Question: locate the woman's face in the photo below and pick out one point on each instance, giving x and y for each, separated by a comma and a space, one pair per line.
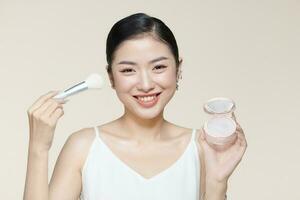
144, 76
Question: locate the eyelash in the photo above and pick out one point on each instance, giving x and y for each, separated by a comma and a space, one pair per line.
126, 70
162, 66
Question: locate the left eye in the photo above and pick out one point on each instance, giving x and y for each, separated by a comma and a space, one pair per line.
159, 67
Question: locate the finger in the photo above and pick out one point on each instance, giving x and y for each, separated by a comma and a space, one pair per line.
49, 111
203, 141
61, 101
44, 108
242, 148
202, 134
239, 128
56, 115
242, 138
40, 111
233, 116
42, 100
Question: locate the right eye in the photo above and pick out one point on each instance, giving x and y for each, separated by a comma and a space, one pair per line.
127, 70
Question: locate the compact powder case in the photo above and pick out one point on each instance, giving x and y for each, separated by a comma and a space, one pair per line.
220, 128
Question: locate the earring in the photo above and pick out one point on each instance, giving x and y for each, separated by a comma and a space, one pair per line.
180, 77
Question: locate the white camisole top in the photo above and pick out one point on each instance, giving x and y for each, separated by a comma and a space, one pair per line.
106, 177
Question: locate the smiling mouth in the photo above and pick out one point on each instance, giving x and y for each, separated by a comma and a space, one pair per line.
144, 97
147, 100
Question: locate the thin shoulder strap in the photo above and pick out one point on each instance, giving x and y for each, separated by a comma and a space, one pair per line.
96, 131
193, 134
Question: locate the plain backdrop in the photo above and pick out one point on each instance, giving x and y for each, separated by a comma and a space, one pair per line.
246, 50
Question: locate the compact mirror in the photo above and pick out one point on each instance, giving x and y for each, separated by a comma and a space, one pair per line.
219, 105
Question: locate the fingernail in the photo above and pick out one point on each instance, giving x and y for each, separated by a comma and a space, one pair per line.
60, 100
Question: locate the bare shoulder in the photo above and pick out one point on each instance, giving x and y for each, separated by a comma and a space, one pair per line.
198, 132
65, 182
81, 137
79, 143
184, 130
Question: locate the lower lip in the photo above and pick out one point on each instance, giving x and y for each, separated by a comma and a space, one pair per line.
148, 104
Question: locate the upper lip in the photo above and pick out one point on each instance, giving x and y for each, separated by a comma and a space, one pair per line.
146, 95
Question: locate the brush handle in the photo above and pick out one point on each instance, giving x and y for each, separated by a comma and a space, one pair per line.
72, 90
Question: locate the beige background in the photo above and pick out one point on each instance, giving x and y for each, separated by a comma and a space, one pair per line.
246, 50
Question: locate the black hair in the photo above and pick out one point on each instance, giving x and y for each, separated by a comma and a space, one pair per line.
135, 25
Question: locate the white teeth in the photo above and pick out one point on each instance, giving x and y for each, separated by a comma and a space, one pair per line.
146, 99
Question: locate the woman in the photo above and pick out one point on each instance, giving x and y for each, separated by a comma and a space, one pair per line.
140, 155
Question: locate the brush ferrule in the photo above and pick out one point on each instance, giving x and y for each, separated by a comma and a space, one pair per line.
72, 90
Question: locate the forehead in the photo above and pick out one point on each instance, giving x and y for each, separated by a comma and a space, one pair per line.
142, 49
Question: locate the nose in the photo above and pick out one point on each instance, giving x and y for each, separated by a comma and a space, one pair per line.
146, 83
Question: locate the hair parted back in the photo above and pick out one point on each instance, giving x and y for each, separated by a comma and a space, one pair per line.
134, 26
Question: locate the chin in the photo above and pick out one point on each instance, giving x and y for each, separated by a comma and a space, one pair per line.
148, 115
144, 113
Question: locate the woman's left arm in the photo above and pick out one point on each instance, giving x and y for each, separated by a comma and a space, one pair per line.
219, 165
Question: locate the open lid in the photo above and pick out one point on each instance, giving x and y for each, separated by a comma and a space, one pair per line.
219, 105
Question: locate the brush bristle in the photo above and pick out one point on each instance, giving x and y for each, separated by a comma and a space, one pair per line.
94, 81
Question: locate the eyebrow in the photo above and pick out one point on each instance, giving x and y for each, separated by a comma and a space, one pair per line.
152, 61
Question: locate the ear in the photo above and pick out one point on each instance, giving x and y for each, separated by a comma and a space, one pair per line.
111, 78
179, 72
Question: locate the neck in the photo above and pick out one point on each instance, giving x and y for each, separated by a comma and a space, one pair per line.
143, 130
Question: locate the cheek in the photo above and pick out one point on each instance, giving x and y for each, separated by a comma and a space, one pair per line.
167, 79
124, 83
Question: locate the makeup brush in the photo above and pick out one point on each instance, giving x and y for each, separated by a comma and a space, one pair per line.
93, 81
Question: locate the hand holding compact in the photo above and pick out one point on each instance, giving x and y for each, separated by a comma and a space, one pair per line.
222, 140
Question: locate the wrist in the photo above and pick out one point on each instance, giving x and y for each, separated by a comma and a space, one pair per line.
215, 190
37, 149
215, 197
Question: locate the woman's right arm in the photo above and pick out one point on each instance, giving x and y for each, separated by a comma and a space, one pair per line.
66, 180
36, 185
